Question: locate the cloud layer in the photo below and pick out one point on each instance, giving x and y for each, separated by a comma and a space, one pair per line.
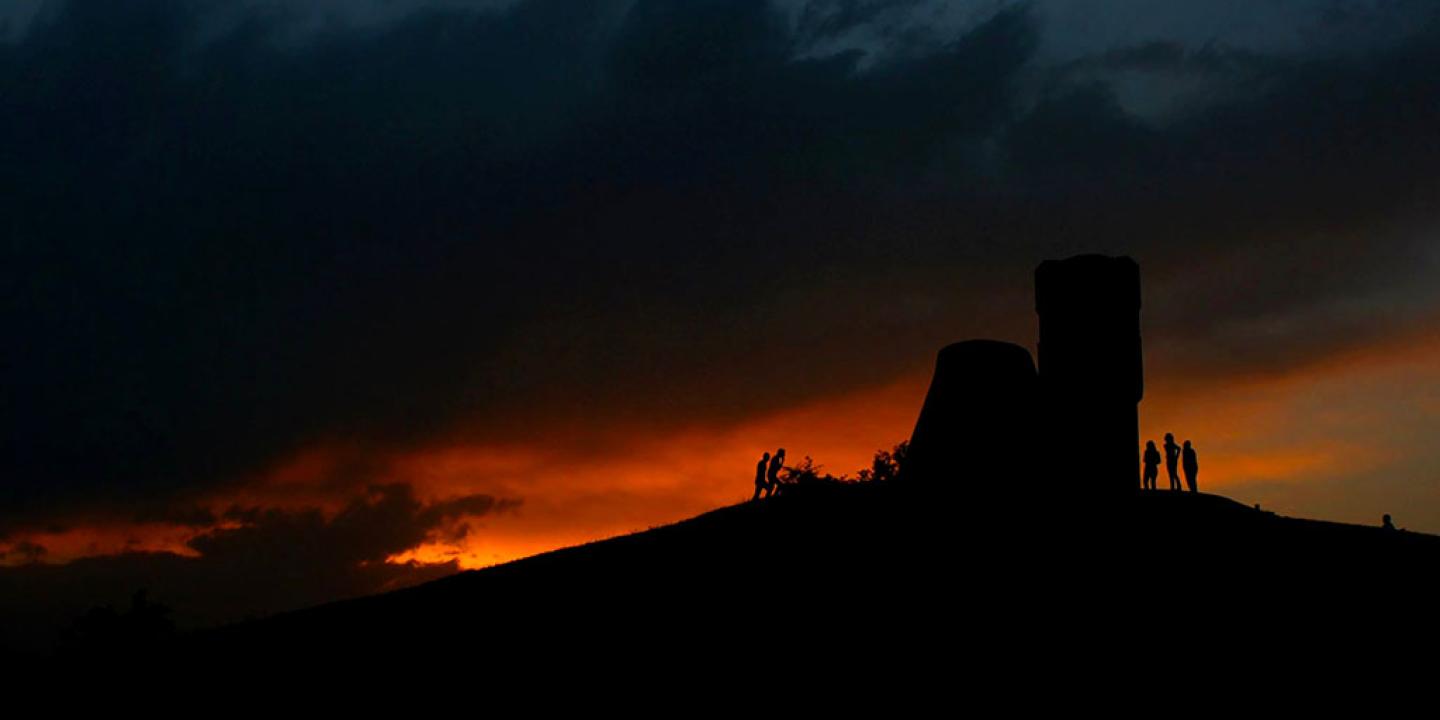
257, 561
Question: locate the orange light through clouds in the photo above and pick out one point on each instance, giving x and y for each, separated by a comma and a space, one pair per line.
1345, 440
662, 480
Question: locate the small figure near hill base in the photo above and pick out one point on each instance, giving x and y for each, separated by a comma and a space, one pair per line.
1172, 459
772, 475
1192, 468
761, 486
1152, 465
1387, 524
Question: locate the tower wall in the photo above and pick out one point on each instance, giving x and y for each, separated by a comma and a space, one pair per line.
1091, 377
978, 415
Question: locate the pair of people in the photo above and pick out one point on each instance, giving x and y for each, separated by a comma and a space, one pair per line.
1174, 454
767, 474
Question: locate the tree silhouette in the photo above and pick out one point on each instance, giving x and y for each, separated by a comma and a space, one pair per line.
886, 464
806, 473
140, 632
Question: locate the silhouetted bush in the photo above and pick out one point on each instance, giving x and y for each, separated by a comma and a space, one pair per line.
808, 478
806, 472
142, 631
886, 465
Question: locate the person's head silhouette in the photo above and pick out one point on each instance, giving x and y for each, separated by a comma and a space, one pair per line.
766, 456
1150, 444
780, 453
1169, 439
1187, 444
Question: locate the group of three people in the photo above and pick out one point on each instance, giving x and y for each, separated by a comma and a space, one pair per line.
767, 474
1174, 454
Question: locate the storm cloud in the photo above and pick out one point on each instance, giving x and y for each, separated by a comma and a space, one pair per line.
260, 561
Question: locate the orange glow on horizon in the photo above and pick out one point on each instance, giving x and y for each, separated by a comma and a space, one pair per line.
1322, 422
568, 501
62, 546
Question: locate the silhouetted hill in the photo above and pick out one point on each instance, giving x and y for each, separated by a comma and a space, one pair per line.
867, 575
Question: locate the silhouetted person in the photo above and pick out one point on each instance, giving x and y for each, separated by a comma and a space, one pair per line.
1192, 467
1152, 465
1386, 523
1172, 460
760, 484
772, 475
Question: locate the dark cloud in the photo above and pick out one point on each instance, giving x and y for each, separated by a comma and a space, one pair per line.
262, 561
644, 213
177, 514
26, 551
308, 547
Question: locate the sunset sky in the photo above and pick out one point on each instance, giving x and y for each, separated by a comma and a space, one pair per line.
306, 299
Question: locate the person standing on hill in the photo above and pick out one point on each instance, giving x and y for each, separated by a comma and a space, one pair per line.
1152, 465
773, 474
1172, 459
760, 484
1192, 467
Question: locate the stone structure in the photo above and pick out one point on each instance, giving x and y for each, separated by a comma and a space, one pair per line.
977, 416
1091, 375
991, 424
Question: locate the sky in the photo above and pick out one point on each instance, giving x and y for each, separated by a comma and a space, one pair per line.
312, 299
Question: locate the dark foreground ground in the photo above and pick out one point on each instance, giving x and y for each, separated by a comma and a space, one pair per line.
872, 576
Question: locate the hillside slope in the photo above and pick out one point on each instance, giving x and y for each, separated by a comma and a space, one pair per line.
846, 574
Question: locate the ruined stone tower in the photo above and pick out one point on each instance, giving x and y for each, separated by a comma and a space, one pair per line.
994, 430
977, 417
1091, 378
